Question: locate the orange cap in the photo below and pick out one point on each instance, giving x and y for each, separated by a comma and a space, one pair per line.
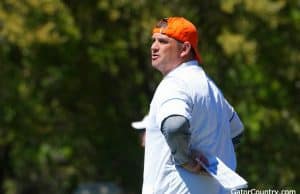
182, 30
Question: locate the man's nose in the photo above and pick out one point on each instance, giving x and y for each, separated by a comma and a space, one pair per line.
154, 46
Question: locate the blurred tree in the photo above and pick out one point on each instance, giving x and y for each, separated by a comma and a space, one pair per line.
74, 74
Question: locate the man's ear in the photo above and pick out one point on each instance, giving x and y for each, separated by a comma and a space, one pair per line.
185, 49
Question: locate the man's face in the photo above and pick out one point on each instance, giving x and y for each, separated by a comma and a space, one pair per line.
165, 53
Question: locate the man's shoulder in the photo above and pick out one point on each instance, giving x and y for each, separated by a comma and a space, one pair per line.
174, 82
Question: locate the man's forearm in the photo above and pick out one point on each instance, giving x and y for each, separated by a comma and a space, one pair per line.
175, 128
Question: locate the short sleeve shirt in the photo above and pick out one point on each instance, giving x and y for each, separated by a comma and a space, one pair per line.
186, 91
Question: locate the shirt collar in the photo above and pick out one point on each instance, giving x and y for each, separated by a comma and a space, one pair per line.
183, 65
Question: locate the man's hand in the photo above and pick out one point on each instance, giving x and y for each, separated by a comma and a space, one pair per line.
194, 165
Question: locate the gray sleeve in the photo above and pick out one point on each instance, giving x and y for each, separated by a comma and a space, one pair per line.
236, 127
237, 139
175, 128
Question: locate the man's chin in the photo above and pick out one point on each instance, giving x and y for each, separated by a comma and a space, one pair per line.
154, 64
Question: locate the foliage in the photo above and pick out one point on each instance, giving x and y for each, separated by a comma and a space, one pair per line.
74, 74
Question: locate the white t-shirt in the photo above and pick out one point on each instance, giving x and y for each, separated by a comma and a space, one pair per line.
187, 91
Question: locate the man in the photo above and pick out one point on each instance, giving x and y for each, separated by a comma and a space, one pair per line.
189, 119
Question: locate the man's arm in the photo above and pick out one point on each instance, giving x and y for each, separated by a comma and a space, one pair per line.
236, 127
175, 128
